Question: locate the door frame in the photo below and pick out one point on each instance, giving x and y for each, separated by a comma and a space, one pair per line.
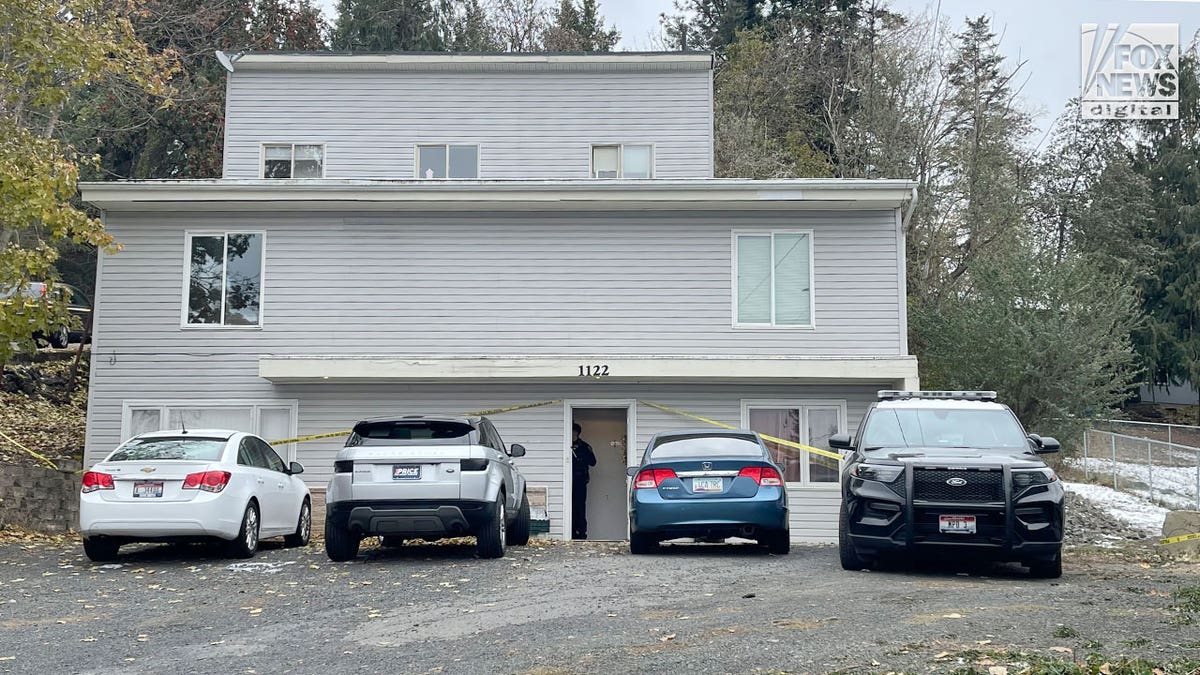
569, 405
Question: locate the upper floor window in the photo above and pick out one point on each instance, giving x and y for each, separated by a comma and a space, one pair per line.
289, 160
773, 279
224, 279
448, 161
622, 161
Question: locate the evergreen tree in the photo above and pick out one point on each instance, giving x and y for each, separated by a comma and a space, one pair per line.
470, 27
389, 26
579, 28
710, 25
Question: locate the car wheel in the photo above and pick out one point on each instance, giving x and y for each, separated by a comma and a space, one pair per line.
60, 338
246, 543
641, 544
490, 541
303, 531
851, 560
519, 535
99, 549
1046, 569
391, 541
779, 543
340, 543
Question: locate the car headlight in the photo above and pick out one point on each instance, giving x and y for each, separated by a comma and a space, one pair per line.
883, 473
1024, 478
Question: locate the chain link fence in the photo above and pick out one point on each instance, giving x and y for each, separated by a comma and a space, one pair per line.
1155, 461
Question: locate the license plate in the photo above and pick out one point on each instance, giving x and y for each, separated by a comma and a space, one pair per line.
406, 472
147, 490
708, 485
957, 524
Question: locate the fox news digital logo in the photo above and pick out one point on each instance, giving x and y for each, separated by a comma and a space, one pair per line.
1130, 73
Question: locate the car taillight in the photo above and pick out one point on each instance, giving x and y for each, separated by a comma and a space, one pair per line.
652, 478
763, 475
94, 480
473, 464
209, 481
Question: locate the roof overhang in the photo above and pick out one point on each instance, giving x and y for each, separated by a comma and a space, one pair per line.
310, 369
604, 62
413, 195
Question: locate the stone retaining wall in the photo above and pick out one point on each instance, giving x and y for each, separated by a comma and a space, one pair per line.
39, 498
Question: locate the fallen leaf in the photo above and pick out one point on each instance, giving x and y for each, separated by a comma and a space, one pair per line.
952, 616
664, 638
997, 670
1062, 650
942, 655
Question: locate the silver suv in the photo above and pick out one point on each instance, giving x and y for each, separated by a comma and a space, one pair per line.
426, 477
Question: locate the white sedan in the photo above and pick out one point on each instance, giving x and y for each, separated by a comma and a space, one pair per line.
193, 484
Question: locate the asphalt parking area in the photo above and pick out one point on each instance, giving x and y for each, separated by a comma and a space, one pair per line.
567, 608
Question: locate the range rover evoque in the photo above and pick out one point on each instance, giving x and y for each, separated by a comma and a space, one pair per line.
942, 471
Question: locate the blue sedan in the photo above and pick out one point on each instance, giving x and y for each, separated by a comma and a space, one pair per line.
708, 485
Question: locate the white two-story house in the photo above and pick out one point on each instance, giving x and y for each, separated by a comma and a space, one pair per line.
407, 234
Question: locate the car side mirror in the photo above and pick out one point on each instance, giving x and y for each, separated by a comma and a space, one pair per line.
295, 468
516, 450
631, 471
1046, 444
841, 442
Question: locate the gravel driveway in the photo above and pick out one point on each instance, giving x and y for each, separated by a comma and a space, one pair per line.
569, 608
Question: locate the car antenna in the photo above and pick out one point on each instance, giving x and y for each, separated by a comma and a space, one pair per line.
183, 425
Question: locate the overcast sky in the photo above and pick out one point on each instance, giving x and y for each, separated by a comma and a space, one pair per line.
1043, 33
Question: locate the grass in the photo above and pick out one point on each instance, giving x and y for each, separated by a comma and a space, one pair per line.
1065, 632
1187, 599
1092, 664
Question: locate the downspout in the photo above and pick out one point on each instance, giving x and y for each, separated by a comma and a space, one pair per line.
912, 206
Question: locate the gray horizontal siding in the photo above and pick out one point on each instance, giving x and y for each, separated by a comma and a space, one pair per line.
470, 284
331, 407
532, 125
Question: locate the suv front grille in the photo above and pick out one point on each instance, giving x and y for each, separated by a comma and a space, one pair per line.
977, 487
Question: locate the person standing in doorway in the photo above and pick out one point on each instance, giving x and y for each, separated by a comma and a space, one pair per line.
582, 459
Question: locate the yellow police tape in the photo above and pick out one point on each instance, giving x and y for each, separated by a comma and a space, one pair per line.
771, 439
477, 413
1183, 537
40, 457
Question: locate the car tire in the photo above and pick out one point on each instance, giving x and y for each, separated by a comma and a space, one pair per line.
851, 560
60, 339
391, 541
641, 544
340, 543
1046, 569
490, 540
245, 545
303, 532
100, 549
519, 534
779, 543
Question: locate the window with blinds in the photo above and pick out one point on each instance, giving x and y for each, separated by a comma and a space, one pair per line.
773, 279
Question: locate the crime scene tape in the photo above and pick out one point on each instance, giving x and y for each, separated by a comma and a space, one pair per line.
1183, 537
477, 413
772, 439
45, 460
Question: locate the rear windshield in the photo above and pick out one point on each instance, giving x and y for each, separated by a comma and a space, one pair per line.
175, 447
681, 447
409, 430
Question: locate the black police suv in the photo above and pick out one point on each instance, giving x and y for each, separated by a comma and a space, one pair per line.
953, 473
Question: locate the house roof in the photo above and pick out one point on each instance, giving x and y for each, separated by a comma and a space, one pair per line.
466, 195
467, 62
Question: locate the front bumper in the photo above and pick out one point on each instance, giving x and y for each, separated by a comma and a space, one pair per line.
410, 518
670, 518
1027, 526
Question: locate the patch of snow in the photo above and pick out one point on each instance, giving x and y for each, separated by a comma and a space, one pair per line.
264, 567
1137, 511
1174, 476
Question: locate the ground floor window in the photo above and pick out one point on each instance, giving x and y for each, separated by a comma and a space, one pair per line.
272, 420
806, 422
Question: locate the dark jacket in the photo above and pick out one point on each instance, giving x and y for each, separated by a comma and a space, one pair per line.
582, 458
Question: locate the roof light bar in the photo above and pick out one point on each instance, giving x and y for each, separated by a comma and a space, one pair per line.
888, 395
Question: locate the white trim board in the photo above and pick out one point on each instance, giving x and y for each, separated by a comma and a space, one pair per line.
897, 369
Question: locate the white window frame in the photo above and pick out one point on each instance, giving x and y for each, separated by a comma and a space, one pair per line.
187, 276
812, 279
262, 160
620, 159
803, 406
417, 159
256, 406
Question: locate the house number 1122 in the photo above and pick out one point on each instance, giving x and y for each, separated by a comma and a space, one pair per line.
593, 371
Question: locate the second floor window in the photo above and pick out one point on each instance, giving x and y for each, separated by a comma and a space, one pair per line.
622, 161
773, 279
224, 279
288, 160
447, 161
